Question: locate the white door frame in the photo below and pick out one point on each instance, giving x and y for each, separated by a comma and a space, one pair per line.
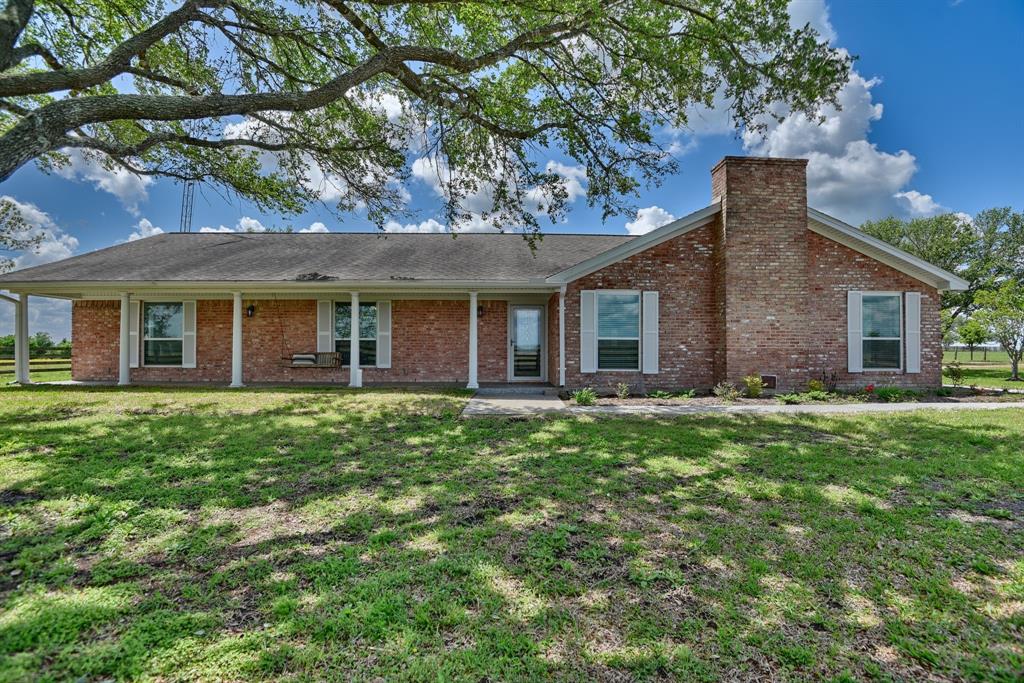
543, 331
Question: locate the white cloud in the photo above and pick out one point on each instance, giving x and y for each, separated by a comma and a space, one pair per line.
247, 224
434, 173
244, 224
129, 188
648, 219
144, 228
920, 204
427, 226
847, 175
815, 13
55, 243
315, 227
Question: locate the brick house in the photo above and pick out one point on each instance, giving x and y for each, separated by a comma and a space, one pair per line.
754, 283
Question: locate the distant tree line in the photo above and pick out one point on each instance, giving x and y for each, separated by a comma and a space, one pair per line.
40, 344
988, 252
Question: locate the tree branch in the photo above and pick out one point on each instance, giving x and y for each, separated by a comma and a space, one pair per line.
115, 63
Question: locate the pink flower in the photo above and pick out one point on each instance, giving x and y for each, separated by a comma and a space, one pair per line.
869, 388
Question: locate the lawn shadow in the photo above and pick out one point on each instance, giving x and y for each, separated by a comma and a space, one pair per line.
338, 534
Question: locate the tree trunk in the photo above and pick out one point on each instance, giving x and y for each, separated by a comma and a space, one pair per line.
971, 348
1014, 368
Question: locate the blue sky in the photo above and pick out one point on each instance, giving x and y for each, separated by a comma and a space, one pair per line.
932, 121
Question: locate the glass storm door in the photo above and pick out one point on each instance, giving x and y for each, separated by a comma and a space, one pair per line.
526, 341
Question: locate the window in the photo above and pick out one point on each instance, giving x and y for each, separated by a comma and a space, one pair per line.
163, 338
367, 333
883, 324
618, 330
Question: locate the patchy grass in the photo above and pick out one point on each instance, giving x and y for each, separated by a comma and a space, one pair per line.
310, 534
995, 377
39, 370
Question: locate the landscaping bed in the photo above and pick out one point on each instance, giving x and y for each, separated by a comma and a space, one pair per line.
946, 395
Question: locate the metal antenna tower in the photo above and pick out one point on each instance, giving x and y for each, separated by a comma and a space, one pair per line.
188, 193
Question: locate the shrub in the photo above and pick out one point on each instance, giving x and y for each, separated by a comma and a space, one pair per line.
726, 391
659, 394
818, 395
585, 396
830, 380
955, 372
755, 386
943, 391
895, 394
869, 389
622, 390
790, 399
686, 393
815, 385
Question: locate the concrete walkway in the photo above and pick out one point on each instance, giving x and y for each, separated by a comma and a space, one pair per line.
537, 405
485, 404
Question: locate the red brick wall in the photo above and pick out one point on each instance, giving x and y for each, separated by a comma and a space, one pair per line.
492, 342
552, 339
764, 212
835, 269
430, 343
680, 270
95, 331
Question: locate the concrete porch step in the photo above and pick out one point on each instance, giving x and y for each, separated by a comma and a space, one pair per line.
513, 390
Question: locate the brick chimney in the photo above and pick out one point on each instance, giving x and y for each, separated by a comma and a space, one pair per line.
761, 269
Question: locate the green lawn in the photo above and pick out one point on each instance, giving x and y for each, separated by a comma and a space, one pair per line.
39, 370
156, 534
992, 373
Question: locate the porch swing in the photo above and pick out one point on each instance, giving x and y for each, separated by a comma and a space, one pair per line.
312, 359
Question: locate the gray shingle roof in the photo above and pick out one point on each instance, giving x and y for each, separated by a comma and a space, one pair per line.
277, 257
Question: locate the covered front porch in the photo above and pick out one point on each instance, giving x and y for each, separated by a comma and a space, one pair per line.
316, 335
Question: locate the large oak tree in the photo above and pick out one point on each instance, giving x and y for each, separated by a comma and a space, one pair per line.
209, 90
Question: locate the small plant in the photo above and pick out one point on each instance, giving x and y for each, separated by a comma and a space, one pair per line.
830, 380
955, 372
755, 386
790, 399
895, 394
815, 385
726, 391
622, 390
659, 394
869, 389
818, 395
585, 396
685, 393
943, 391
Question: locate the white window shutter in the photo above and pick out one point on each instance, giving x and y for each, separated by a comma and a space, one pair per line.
588, 331
134, 315
188, 333
324, 326
383, 334
913, 336
650, 343
854, 333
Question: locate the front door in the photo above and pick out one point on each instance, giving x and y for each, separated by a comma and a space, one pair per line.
526, 343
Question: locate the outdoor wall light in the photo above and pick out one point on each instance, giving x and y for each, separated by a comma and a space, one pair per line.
479, 311
250, 310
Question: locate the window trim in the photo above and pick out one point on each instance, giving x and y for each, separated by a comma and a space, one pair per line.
143, 337
864, 337
639, 326
375, 339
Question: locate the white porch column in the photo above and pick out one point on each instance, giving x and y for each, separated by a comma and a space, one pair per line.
473, 384
124, 348
21, 351
355, 376
561, 336
236, 340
